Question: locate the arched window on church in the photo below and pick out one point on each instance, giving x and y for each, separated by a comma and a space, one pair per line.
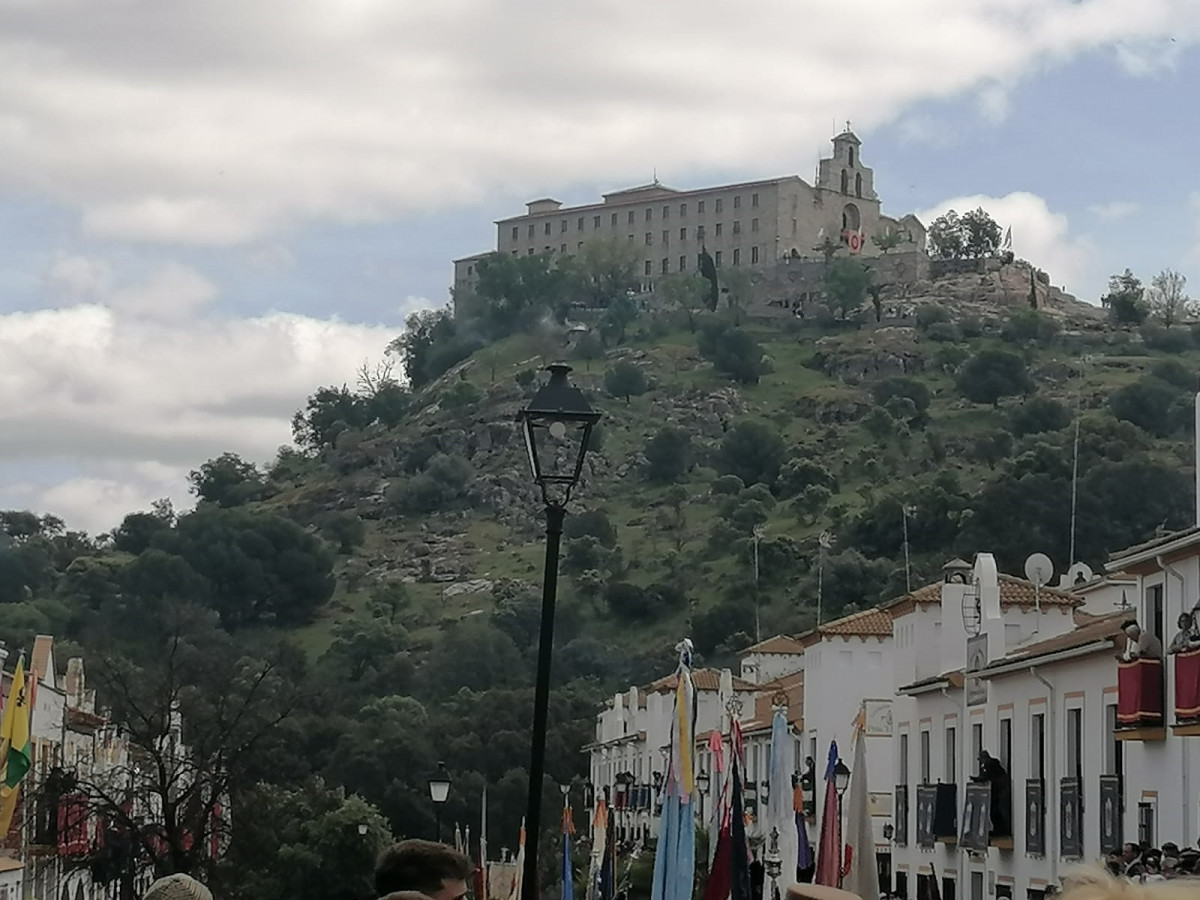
845, 182
858, 184
852, 157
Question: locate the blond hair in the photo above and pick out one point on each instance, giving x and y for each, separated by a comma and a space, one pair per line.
1096, 884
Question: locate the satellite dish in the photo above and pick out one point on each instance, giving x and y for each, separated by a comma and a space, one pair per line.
987, 583
1079, 573
1039, 569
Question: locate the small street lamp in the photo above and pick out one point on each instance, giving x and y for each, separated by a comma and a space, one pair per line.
362, 829
702, 782
841, 781
557, 425
439, 790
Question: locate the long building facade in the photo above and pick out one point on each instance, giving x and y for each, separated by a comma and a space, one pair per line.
1094, 746
753, 224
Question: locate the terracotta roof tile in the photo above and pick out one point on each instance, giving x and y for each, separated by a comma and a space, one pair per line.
780, 643
1088, 630
1013, 592
703, 679
876, 622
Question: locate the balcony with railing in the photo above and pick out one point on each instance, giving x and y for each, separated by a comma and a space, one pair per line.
1140, 700
1070, 818
937, 815
1035, 817
1187, 692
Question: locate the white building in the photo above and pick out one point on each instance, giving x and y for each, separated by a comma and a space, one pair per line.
633, 732
1032, 681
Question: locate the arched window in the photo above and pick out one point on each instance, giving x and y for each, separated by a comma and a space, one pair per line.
858, 184
852, 157
850, 217
845, 182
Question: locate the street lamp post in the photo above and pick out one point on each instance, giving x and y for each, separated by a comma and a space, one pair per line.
841, 780
557, 425
439, 790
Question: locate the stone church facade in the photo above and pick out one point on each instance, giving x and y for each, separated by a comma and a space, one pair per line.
754, 224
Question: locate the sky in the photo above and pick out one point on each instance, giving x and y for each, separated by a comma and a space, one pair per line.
209, 208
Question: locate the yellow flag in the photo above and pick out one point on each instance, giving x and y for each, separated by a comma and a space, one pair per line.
15, 751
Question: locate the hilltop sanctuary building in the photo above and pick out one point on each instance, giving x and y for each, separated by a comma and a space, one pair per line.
754, 223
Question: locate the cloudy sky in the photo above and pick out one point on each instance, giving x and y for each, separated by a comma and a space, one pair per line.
210, 207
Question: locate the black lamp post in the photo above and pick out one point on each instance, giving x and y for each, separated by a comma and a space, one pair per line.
557, 425
841, 780
439, 790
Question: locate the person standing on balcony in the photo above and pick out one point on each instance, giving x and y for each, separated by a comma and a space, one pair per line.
1141, 644
1187, 639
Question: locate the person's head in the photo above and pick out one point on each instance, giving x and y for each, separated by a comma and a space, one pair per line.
1129, 851
435, 870
178, 887
1133, 631
1184, 621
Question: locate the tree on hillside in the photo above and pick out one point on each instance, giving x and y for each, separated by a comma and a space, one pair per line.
260, 567
1030, 325
737, 287
1038, 414
845, 284
228, 480
1152, 405
887, 240
625, 379
668, 454
732, 351
1167, 298
605, 271
622, 312
753, 451
973, 235
519, 291
433, 342
981, 233
685, 290
906, 387
991, 375
946, 237
1125, 300
328, 412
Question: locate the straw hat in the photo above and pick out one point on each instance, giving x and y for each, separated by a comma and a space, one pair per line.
819, 892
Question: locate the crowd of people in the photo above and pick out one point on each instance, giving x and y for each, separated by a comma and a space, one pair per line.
1148, 865
423, 870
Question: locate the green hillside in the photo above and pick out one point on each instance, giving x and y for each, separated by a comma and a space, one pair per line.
387, 569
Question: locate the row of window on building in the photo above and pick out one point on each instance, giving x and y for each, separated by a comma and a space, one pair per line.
700, 232
631, 217
1113, 756
665, 264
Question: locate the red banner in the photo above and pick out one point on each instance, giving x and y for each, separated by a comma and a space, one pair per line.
73, 825
1187, 685
1139, 692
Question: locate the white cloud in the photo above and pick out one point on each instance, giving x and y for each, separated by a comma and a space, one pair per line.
1039, 235
168, 292
107, 409
75, 278
222, 122
995, 103
1114, 211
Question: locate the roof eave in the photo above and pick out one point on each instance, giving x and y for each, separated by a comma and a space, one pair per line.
1045, 659
1152, 552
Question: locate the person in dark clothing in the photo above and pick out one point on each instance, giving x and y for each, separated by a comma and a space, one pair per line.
991, 772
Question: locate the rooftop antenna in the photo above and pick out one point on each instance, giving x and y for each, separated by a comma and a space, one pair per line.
824, 542
655, 175
1039, 569
1075, 465
905, 512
